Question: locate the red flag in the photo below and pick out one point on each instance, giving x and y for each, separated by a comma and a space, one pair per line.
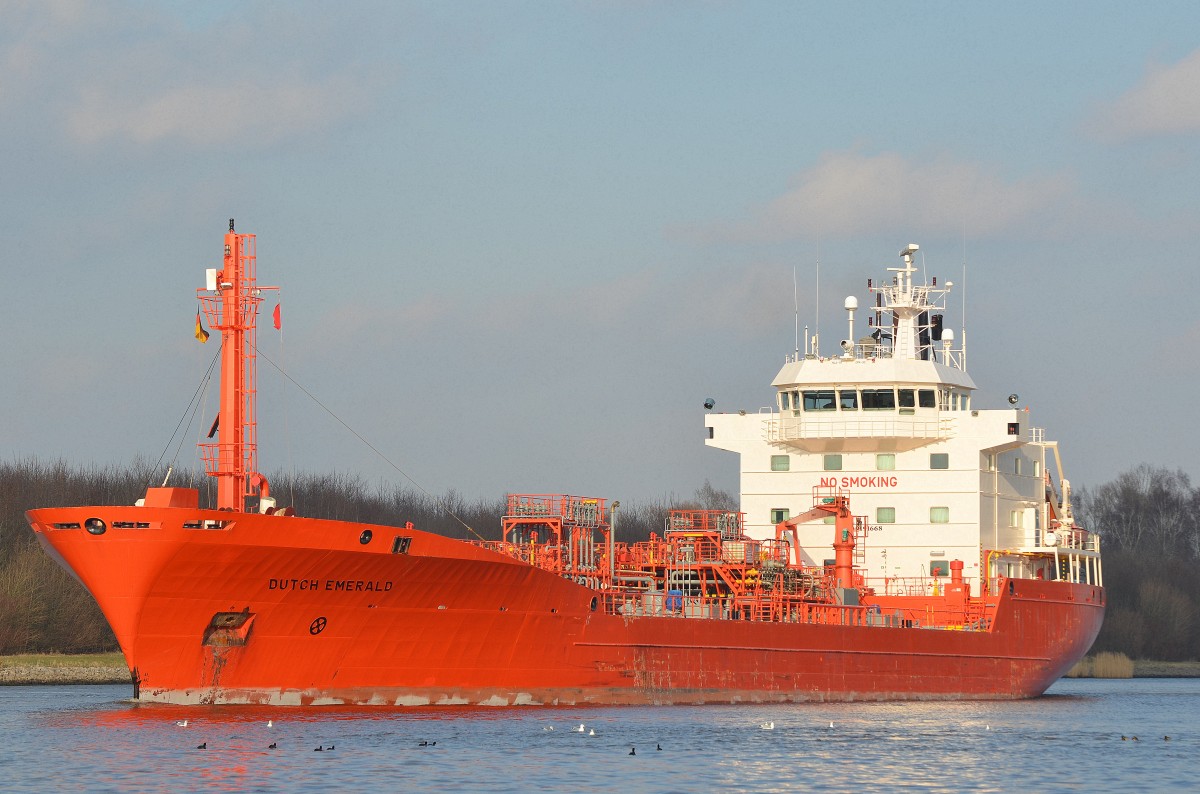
275, 314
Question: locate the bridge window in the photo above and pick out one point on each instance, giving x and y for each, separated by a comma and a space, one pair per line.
781, 463
779, 515
878, 399
926, 399
885, 515
833, 463
848, 399
939, 460
885, 461
939, 515
908, 398
785, 401
819, 400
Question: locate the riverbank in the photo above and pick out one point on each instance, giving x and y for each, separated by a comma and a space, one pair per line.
109, 668
58, 668
1145, 668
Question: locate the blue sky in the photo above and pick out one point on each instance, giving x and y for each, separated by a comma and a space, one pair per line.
520, 243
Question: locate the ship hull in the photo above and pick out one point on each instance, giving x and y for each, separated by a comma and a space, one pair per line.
214, 607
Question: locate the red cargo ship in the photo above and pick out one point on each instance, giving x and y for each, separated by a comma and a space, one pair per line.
249, 603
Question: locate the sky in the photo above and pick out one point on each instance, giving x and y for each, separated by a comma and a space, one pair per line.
520, 243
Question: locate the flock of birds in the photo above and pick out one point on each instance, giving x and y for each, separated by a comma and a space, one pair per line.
766, 726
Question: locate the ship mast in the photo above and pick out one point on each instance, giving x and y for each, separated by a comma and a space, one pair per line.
230, 302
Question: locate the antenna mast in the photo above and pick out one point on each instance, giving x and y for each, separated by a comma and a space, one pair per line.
796, 303
230, 304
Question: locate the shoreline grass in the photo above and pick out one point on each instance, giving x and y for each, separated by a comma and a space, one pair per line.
63, 668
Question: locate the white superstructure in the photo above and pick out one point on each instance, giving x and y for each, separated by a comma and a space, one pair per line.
889, 420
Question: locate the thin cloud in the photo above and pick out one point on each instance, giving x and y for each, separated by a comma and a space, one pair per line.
264, 111
849, 193
103, 75
1165, 102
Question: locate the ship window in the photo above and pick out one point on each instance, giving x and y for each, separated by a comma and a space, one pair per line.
885, 515
1014, 428
818, 400
830, 519
991, 462
779, 515
939, 567
710, 432
781, 463
400, 545
878, 399
885, 461
1016, 465
1037, 468
939, 460
908, 398
925, 399
944, 399
796, 401
833, 463
785, 401
848, 399
939, 515
1016, 518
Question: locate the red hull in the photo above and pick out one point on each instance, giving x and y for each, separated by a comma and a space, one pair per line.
312, 615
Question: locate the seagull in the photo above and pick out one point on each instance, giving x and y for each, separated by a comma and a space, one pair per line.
987, 727
273, 746
270, 724
592, 733
181, 724
767, 726
831, 725
548, 728
202, 746
580, 728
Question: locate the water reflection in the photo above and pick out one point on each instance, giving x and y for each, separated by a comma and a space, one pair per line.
89, 738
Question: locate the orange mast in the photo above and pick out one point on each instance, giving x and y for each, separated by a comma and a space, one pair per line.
230, 303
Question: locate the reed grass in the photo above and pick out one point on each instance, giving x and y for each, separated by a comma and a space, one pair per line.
64, 660
1106, 664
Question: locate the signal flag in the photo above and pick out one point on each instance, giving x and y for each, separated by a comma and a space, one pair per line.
201, 334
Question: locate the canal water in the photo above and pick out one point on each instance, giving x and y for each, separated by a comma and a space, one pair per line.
1083, 735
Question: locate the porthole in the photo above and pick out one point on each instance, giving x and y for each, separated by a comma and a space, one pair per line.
95, 526
365, 537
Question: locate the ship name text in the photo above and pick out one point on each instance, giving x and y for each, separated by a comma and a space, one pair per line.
332, 585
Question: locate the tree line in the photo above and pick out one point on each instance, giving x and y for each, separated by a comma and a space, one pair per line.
44, 609
1149, 524
1148, 519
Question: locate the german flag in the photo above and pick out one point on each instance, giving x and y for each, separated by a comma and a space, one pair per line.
201, 334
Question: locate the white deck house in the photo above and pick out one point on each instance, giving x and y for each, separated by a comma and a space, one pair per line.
890, 421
